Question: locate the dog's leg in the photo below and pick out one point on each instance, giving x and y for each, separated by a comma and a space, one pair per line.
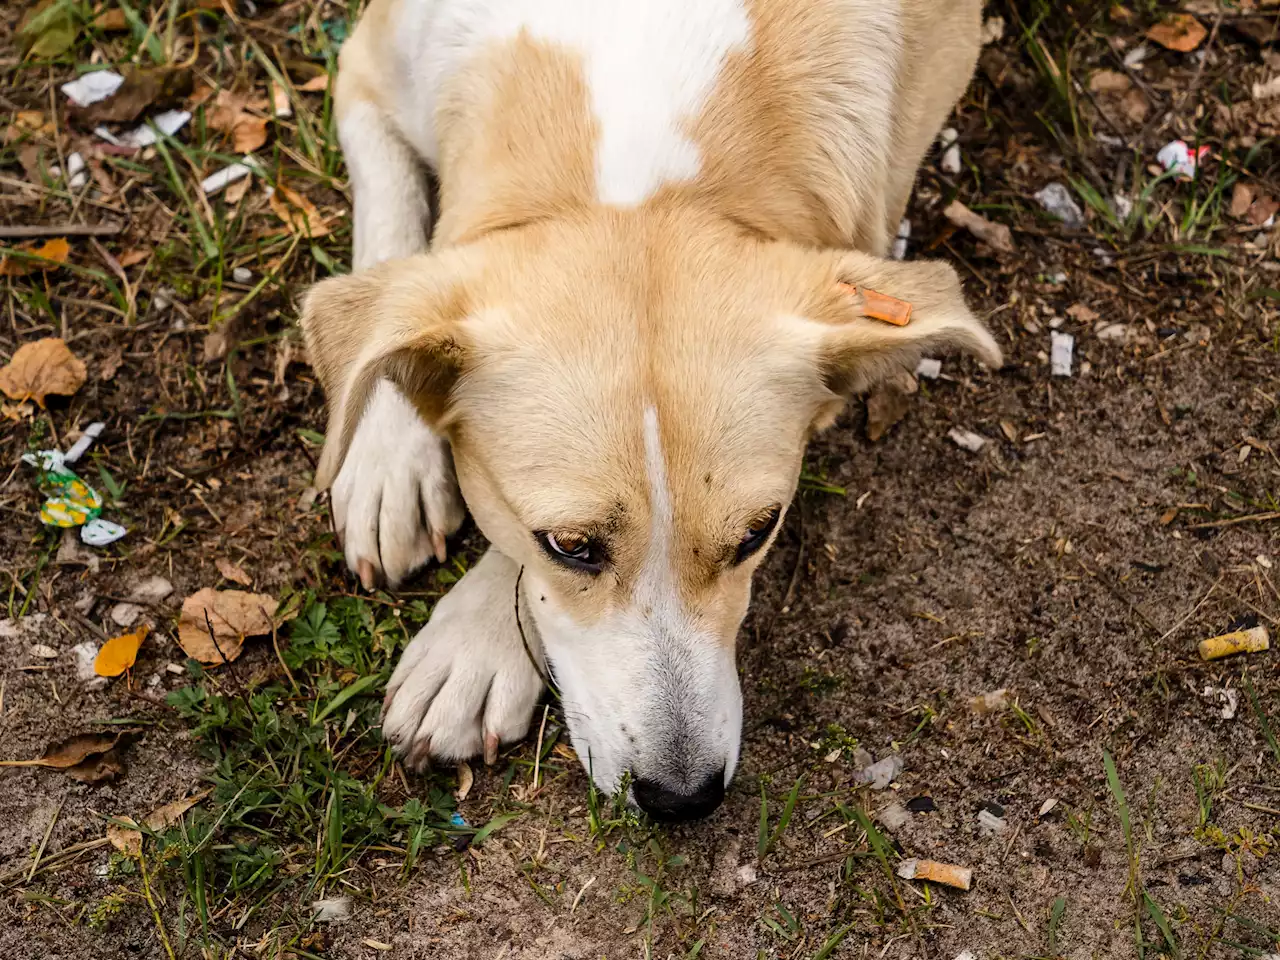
466, 682
396, 497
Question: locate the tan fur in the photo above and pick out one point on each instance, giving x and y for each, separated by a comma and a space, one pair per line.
546, 331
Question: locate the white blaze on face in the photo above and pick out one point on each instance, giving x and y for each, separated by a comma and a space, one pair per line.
650, 66
647, 690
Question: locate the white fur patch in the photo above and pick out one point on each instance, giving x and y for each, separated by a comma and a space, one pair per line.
650, 66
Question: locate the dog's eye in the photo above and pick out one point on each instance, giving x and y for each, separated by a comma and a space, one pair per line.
759, 531
574, 551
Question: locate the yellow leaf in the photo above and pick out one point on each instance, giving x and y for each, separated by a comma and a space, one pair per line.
53, 253
119, 653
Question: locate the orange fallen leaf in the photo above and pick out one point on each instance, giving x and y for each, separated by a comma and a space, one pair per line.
40, 368
133, 257
233, 572
52, 254
126, 837
233, 616
119, 653
299, 214
1181, 32
230, 114
111, 20
249, 134
316, 84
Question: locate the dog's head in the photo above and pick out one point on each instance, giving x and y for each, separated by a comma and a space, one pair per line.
628, 397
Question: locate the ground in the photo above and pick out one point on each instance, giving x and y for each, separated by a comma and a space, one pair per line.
1129, 792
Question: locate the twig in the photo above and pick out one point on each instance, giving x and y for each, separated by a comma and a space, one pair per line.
155, 911
1232, 521
53, 859
32, 231
537, 753
35, 863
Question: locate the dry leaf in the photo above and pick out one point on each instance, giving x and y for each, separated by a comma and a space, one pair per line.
298, 213
317, 84
234, 615
133, 257
1262, 210
28, 123
128, 839
1082, 313
111, 20
52, 252
1181, 32
233, 572
230, 114
87, 757
889, 403
143, 88
119, 653
995, 235
40, 368
1242, 197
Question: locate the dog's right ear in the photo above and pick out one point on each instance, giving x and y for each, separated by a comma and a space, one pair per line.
398, 321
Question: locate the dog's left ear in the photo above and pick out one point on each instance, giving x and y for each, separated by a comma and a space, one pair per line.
398, 321
878, 317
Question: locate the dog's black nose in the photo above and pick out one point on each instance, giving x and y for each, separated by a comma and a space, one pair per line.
672, 806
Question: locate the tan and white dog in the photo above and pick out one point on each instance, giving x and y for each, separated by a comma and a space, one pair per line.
645, 292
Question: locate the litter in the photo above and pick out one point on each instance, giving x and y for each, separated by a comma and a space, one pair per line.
228, 175
87, 436
76, 176
1057, 200
995, 235
881, 306
947, 141
328, 911
70, 501
990, 825
948, 874
1062, 348
967, 439
92, 87
881, 773
1134, 58
1178, 158
929, 368
169, 122
900, 241
1252, 640
1230, 700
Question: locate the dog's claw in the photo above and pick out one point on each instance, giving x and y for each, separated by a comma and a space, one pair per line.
490, 749
365, 571
438, 545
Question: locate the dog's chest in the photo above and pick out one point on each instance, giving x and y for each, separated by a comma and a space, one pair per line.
649, 68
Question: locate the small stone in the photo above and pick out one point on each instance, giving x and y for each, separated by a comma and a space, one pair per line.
1061, 351
1057, 201
1113, 331
151, 590
967, 439
85, 655
125, 614
241, 274
44, 651
992, 702
86, 601
747, 874
861, 758
921, 805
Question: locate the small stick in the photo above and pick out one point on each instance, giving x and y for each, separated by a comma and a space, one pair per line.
34, 231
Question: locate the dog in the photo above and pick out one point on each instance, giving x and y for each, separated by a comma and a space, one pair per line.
662, 232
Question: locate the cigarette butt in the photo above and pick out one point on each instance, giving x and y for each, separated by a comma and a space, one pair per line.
848, 288
1253, 640
947, 874
881, 306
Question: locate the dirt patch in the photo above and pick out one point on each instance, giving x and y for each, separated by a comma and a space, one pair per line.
1109, 521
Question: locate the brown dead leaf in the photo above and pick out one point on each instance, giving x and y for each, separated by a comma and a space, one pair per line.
232, 572
40, 368
1180, 31
231, 114
889, 403
1082, 313
111, 20
143, 88
1242, 197
317, 84
52, 253
299, 214
1249, 205
233, 614
1262, 210
28, 123
127, 838
133, 257
1135, 105
995, 235
87, 757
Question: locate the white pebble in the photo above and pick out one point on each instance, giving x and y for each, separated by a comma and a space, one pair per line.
967, 439
1061, 351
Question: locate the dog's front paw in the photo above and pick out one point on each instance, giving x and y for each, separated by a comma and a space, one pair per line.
466, 682
396, 497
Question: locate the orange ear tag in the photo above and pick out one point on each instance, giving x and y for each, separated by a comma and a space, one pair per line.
881, 306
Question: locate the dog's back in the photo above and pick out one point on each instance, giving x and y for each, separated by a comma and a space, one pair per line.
797, 118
